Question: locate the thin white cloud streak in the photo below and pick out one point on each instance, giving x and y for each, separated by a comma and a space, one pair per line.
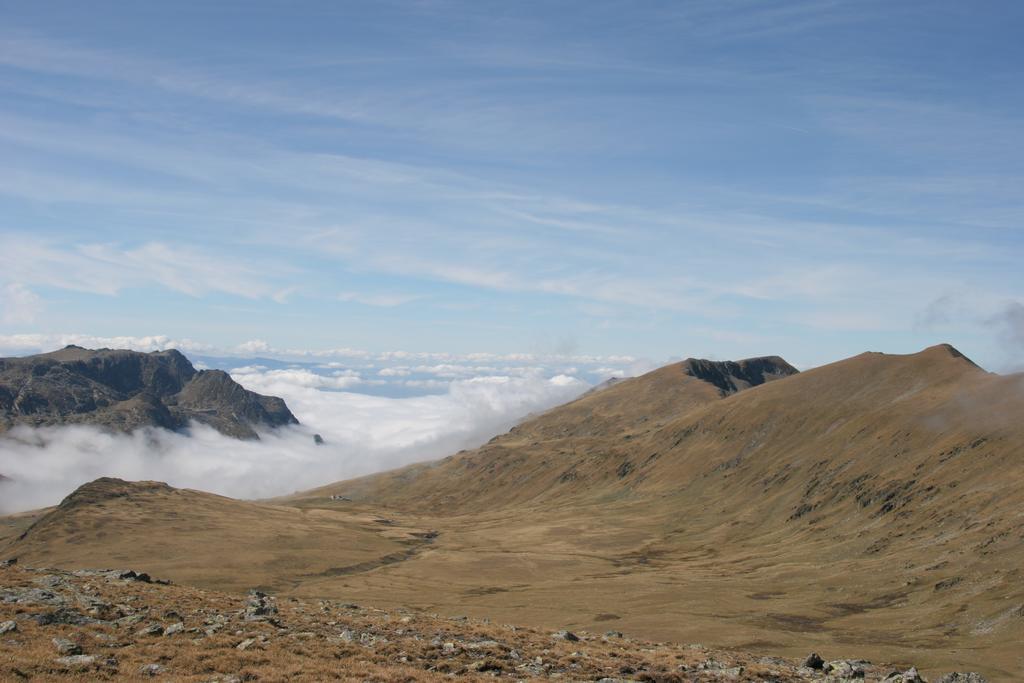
489, 264
363, 434
536, 263
18, 304
738, 21
382, 300
108, 268
35, 53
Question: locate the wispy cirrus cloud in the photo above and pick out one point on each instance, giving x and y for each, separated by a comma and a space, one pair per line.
18, 304
32, 52
697, 175
105, 268
380, 299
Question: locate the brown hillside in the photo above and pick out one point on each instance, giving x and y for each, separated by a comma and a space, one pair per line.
873, 499
218, 542
868, 507
549, 449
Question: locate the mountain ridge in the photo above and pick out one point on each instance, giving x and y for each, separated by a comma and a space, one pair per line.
868, 507
123, 390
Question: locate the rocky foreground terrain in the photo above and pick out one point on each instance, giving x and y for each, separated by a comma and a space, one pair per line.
107, 624
124, 390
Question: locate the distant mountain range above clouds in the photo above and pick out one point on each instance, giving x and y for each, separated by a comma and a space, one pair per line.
122, 390
388, 373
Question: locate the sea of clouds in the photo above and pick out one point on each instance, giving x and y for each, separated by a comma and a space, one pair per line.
373, 411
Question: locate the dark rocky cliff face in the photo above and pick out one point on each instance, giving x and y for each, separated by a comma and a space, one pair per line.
732, 376
124, 390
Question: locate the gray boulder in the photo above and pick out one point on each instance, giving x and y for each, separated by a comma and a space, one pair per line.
77, 660
814, 661
259, 607
909, 676
67, 647
845, 668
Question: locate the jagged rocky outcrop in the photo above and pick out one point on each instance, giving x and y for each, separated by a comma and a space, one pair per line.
734, 376
123, 390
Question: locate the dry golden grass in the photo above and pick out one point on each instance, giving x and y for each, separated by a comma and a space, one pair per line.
202, 538
870, 508
316, 641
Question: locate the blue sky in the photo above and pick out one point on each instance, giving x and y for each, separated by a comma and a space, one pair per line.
722, 179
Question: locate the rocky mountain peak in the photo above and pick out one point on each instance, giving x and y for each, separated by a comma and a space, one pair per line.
123, 390
733, 376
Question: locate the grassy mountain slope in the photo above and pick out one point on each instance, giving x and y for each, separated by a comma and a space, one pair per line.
871, 506
874, 499
194, 537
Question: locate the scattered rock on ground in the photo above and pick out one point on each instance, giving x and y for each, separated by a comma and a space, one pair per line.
77, 660
328, 640
909, 676
62, 615
151, 630
246, 644
67, 647
259, 606
845, 668
814, 661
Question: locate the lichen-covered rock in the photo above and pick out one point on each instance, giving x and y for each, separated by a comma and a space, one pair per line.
911, 675
77, 660
259, 607
845, 668
67, 647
